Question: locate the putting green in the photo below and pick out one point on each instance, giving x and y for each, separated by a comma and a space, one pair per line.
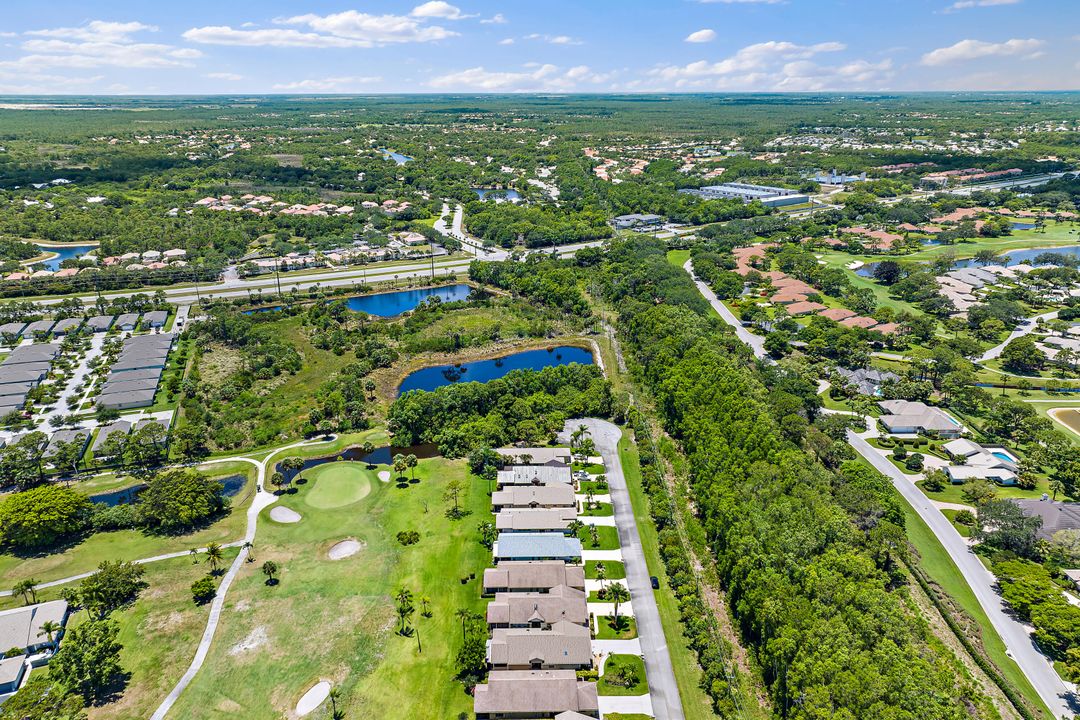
337, 484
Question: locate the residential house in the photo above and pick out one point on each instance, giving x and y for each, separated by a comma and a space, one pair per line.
867, 381
534, 694
20, 628
537, 546
1056, 515
908, 418
532, 577
565, 646
539, 520
533, 496
519, 475
538, 610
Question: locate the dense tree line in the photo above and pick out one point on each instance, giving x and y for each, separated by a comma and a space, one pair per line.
525, 405
797, 546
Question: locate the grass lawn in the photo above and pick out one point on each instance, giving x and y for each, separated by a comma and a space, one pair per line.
964, 530
591, 468
678, 258
627, 716
606, 629
337, 484
641, 687
123, 545
335, 620
599, 510
159, 634
608, 538
586, 485
614, 568
943, 571
955, 493
696, 704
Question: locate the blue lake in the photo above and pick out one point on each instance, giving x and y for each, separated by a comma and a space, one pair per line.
392, 304
395, 156
509, 194
63, 253
1016, 257
484, 370
1022, 226
230, 487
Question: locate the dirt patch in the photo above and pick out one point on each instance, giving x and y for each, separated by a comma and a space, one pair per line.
165, 623
284, 515
243, 606
287, 160
344, 549
254, 640
218, 363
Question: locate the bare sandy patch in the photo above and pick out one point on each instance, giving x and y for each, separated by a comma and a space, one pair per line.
255, 639
313, 698
284, 515
344, 549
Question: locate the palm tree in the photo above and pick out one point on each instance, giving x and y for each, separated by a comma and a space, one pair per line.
1056, 486
618, 594
250, 547
214, 555
27, 588
405, 608
277, 480
49, 629
575, 526
425, 606
601, 573
399, 464
270, 569
411, 462
369, 386
335, 695
464, 615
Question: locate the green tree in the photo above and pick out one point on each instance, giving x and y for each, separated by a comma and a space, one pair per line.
1004, 525
42, 516
400, 465
177, 500
270, 569
49, 630
617, 594
115, 585
27, 588
601, 573
43, 698
88, 662
1021, 355
453, 491
203, 590
404, 607
215, 555
411, 462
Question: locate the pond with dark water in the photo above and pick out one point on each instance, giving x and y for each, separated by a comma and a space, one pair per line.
230, 487
392, 304
430, 378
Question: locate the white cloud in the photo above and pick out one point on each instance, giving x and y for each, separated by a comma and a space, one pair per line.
98, 44
554, 39
329, 84
748, 61
23, 83
535, 77
506, 41
496, 19
967, 4
807, 76
975, 49
701, 36
232, 77
438, 9
337, 30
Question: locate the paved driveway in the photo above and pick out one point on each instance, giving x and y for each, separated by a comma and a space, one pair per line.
1017, 639
665, 702
756, 343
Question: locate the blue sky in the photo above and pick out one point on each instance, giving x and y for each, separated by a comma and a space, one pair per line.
310, 46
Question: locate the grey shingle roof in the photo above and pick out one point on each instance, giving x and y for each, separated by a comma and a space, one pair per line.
540, 545
564, 645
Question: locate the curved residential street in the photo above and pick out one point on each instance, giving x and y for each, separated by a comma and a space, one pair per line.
1026, 328
1014, 634
666, 702
755, 342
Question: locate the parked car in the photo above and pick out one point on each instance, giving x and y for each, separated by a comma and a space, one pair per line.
655, 582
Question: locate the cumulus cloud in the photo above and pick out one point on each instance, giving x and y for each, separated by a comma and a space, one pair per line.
439, 9
701, 36
976, 49
31, 83
98, 44
328, 84
496, 19
506, 41
336, 30
748, 61
967, 4
535, 77
554, 39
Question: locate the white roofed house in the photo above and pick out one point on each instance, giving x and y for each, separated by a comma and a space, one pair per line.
978, 462
912, 418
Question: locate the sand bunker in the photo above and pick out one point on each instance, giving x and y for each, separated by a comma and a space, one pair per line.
255, 639
313, 698
344, 549
284, 515
384, 475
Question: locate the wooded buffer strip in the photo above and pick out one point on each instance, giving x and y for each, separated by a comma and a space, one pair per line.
806, 555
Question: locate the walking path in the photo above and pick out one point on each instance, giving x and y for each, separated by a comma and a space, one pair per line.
1014, 634
665, 701
262, 500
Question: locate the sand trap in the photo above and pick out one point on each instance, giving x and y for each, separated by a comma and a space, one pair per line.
255, 639
344, 549
384, 475
313, 698
284, 515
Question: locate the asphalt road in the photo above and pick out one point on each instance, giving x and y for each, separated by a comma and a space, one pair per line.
667, 705
755, 342
1018, 642
1026, 328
